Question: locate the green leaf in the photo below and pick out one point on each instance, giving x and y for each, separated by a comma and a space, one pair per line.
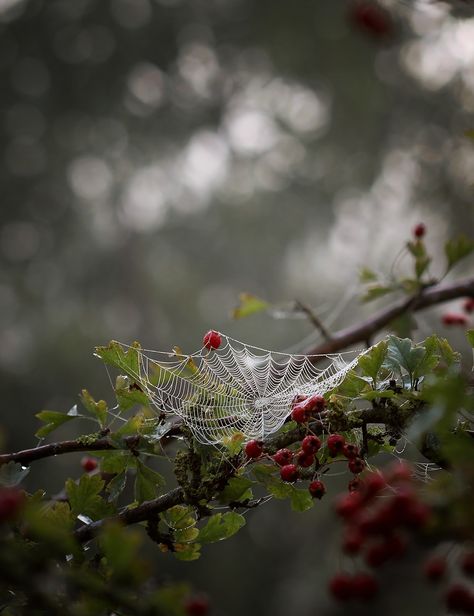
187, 551
372, 361
116, 486
237, 489
148, 483
403, 355
116, 461
97, 409
301, 500
169, 599
52, 419
457, 249
263, 472
470, 337
374, 393
249, 304
12, 474
280, 489
127, 361
120, 548
367, 275
221, 526
234, 443
179, 517
352, 385
84, 497
129, 393
375, 291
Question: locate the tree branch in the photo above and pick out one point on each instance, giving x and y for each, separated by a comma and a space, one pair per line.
362, 331
26, 456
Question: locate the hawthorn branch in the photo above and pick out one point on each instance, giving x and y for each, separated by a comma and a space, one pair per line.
363, 331
26, 456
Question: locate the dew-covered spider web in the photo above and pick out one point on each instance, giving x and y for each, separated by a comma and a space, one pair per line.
237, 388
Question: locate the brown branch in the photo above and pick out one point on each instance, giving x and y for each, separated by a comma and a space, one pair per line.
364, 330
27, 456
314, 319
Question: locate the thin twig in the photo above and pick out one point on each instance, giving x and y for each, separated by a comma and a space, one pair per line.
314, 319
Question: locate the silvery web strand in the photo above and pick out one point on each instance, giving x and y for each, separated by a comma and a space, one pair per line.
234, 389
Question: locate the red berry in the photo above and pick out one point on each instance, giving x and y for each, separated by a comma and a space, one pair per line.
283, 457
419, 230
311, 444
89, 464
467, 563
458, 598
212, 340
341, 587
304, 459
197, 606
468, 305
348, 505
299, 413
353, 541
356, 465
396, 545
315, 404
254, 449
365, 586
377, 554
289, 473
317, 489
335, 444
12, 500
399, 472
454, 318
355, 485
372, 19
350, 450
434, 568
374, 483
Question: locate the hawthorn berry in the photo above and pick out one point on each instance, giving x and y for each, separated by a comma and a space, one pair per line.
372, 19
254, 449
454, 318
356, 465
212, 340
468, 305
197, 606
350, 450
348, 505
458, 598
289, 473
467, 563
311, 444
317, 489
374, 483
11, 502
283, 457
395, 545
304, 459
353, 541
434, 568
419, 230
399, 472
315, 404
377, 554
364, 586
335, 444
355, 485
89, 464
299, 413
340, 586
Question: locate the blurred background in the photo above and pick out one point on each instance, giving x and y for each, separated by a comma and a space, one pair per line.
158, 157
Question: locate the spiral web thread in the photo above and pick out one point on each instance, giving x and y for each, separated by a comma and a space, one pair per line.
237, 388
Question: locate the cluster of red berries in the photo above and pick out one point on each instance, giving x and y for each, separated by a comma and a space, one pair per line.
377, 529
458, 597
12, 501
459, 318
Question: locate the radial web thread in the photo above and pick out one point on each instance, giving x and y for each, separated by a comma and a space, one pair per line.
237, 388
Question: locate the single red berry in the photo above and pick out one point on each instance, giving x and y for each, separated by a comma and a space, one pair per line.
365, 586
197, 606
315, 404
467, 563
300, 414
289, 473
212, 340
12, 500
458, 598
356, 465
89, 464
374, 483
254, 449
340, 586
468, 305
348, 505
317, 489
353, 541
434, 568
311, 444
356, 485
370, 18
350, 450
335, 444
283, 457
419, 230
454, 318
304, 459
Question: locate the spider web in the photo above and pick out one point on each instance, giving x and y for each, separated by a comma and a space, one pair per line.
237, 388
